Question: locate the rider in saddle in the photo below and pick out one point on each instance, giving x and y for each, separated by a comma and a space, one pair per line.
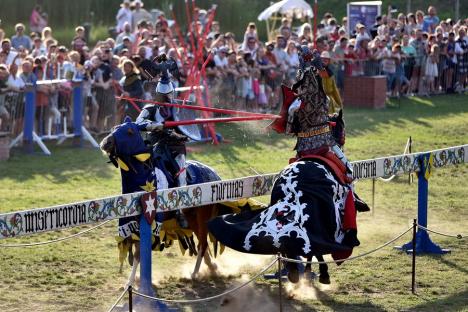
305, 115
153, 116
168, 144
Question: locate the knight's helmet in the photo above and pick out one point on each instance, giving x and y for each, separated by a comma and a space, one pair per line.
165, 67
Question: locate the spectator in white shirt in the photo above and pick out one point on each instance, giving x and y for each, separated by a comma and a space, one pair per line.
139, 14
38, 48
127, 32
10, 56
280, 54
15, 83
220, 58
124, 15
362, 33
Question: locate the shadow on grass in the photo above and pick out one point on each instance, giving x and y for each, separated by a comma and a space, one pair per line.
335, 305
449, 263
65, 163
455, 302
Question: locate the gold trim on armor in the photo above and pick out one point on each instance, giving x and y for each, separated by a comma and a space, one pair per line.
314, 132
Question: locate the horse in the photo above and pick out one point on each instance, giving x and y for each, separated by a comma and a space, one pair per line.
311, 210
127, 150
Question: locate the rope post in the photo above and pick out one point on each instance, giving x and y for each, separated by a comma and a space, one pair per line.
146, 286
280, 283
29, 112
130, 299
410, 147
413, 268
77, 114
423, 241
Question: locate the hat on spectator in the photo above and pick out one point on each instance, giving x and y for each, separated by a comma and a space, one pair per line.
224, 50
62, 49
19, 25
125, 2
359, 26
325, 54
134, 3
126, 38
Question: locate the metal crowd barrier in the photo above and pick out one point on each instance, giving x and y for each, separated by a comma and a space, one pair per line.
451, 76
56, 114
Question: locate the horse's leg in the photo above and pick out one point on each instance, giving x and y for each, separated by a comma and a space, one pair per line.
203, 217
196, 269
293, 270
211, 265
308, 267
324, 277
136, 261
192, 219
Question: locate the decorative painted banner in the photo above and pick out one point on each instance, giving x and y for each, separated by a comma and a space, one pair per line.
70, 215
394, 165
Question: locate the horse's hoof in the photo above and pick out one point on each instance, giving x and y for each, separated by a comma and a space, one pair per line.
293, 273
213, 267
194, 276
324, 279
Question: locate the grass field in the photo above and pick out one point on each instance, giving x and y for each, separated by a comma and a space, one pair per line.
82, 274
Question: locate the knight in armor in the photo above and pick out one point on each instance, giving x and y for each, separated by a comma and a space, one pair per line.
168, 144
319, 138
305, 115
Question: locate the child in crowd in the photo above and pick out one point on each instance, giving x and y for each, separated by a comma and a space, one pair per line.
431, 72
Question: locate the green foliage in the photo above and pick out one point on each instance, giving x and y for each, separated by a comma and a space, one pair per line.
82, 274
234, 15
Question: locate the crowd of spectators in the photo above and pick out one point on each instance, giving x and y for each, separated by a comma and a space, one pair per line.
417, 52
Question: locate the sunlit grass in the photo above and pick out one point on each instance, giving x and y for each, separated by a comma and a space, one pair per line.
82, 274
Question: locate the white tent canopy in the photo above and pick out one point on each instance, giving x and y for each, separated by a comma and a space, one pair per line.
295, 8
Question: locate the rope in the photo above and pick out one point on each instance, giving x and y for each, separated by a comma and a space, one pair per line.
212, 297
118, 299
404, 153
54, 240
350, 258
459, 236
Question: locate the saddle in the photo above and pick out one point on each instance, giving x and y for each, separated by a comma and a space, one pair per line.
328, 158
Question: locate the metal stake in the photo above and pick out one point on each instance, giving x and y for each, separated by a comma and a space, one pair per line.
130, 299
280, 283
373, 196
413, 273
